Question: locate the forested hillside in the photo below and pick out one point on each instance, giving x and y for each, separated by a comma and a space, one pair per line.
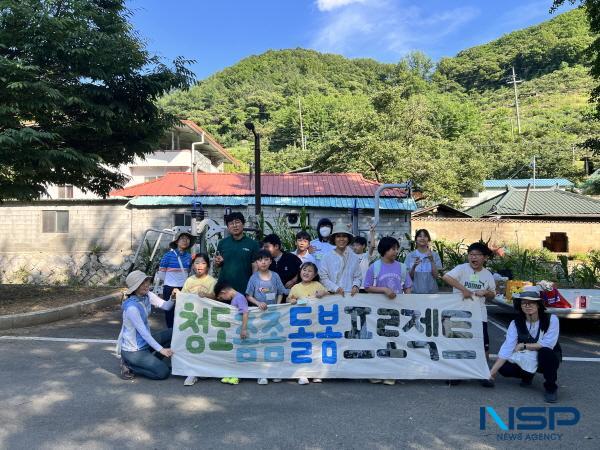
446, 127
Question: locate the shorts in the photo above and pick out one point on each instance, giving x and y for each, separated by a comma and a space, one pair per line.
486, 337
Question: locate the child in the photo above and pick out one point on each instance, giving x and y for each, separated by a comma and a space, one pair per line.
423, 265
309, 287
201, 284
225, 293
138, 347
360, 248
340, 268
302, 246
475, 282
265, 288
389, 277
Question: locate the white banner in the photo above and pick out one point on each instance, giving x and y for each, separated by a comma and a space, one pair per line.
365, 336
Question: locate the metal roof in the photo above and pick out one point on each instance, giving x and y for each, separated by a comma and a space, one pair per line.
385, 203
554, 203
523, 182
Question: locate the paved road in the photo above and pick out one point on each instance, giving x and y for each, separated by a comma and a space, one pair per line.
67, 395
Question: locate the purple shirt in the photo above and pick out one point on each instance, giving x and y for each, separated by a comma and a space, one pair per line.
240, 302
390, 276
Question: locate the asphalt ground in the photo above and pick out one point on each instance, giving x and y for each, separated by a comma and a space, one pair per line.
67, 394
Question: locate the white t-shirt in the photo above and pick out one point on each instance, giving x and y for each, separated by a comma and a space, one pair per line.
474, 281
307, 257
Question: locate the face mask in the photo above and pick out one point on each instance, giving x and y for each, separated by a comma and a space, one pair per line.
325, 231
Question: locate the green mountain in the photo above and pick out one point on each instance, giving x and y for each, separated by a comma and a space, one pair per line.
446, 127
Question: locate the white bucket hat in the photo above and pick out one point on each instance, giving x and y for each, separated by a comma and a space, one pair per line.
134, 280
340, 228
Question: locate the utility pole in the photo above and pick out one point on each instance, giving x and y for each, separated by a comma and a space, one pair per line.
534, 172
303, 142
514, 82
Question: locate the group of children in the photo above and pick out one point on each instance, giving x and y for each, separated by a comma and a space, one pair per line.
334, 263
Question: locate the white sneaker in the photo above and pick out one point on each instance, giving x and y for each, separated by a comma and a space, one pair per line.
262, 381
317, 380
190, 381
303, 380
276, 380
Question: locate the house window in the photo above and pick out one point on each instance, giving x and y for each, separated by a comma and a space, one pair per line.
55, 221
182, 220
557, 242
65, 191
146, 179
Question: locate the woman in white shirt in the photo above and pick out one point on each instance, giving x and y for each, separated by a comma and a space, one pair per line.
532, 330
423, 265
340, 268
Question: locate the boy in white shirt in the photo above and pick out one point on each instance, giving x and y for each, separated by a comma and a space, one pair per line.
475, 282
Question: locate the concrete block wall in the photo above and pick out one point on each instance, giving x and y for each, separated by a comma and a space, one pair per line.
583, 236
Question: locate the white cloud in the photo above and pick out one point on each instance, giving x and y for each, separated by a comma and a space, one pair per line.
396, 27
328, 5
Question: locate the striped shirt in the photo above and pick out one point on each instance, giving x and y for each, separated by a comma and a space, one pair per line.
169, 265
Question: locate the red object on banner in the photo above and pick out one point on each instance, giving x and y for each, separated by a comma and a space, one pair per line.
554, 299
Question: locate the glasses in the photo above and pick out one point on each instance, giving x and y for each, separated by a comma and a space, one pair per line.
235, 222
528, 303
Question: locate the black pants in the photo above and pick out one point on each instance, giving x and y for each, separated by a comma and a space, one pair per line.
170, 314
548, 363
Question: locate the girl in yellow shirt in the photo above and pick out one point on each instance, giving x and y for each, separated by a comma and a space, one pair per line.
309, 286
201, 283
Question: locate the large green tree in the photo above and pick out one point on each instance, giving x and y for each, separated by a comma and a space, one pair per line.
77, 95
592, 8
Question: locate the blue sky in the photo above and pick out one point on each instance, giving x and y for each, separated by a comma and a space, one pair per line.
218, 33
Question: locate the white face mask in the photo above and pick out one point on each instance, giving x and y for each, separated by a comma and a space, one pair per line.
325, 231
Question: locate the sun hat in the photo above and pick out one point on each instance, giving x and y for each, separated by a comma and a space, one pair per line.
134, 280
173, 243
527, 295
341, 228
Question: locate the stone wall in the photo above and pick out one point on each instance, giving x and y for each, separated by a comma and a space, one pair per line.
583, 236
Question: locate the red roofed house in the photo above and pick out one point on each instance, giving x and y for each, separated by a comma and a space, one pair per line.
66, 238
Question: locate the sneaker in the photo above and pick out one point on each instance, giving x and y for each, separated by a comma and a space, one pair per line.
230, 380
317, 380
375, 380
389, 382
488, 383
302, 380
262, 381
276, 380
550, 397
190, 381
126, 373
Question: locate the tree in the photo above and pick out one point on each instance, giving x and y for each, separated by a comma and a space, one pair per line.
592, 8
77, 93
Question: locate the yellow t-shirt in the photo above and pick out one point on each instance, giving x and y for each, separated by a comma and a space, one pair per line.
200, 286
302, 290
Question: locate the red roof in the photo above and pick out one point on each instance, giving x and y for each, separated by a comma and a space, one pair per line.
284, 185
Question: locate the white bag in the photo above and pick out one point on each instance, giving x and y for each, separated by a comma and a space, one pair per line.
526, 360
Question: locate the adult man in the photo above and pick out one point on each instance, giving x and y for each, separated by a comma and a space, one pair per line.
236, 254
285, 264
